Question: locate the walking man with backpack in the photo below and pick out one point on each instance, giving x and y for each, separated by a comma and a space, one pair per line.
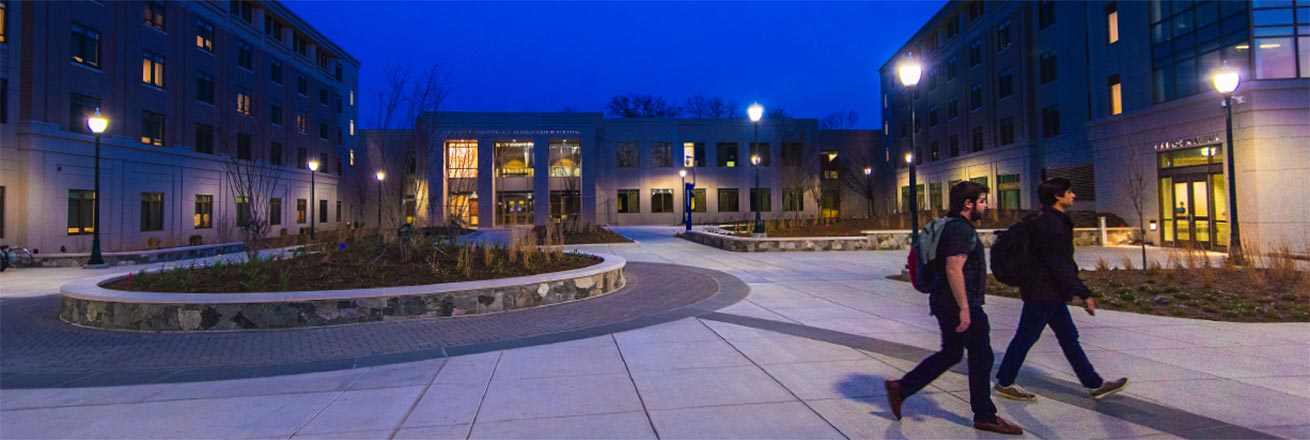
959, 276
1048, 283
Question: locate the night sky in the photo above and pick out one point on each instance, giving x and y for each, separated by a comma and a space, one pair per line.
809, 58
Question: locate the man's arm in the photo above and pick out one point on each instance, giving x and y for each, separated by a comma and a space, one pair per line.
955, 276
1056, 252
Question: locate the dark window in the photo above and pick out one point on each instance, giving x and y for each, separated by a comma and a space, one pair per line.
323, 58
1005, 83
80, 108
322, 211
302, 157
975, 97
243, 9
302, 210
1003, 38
338, 72
793, 200
338, 211
953, 26
932, 80
245, 55
661, 200
275, 111
273, 28
1006, 130
661, 155
204, 139
955, 146
243, 147
977, 139
934, 151
302, 84
726, 156
275, 154
339, 102
1051, 121
932, 116
205, 36
152, 128
950, 68
323, 96
275, 211
953, 108
698, 200
411, 166
152, 69
627, 154
1045, 13
761, 200
301, 45
302, 122
763, 151
275, 71
243, 211
1048, 67
86, 46
152, 212
976, 10
81, 211
629, 201
322, 129
975, 53
205, 88
204, 214
791, 154
154, 14
729, 200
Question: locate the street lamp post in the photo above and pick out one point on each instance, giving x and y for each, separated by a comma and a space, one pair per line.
687, 194
97, 124
1226, 82
313, 169
756, 112
910, 71
868, 190
381, 175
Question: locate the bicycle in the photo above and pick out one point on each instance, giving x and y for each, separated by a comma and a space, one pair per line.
18, 257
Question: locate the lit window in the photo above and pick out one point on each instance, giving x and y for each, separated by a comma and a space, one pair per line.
352, 127
1111, 23
243, 102
1116, 97
205, 36
152, 69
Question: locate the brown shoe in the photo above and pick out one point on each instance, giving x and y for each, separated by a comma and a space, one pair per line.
894, 398
1000, 426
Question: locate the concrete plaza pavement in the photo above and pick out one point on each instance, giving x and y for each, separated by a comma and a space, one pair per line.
802, 356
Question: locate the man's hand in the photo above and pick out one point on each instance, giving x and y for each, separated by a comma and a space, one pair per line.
1089, 304
964, 321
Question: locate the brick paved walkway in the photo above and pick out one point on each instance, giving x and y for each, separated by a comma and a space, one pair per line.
39, 350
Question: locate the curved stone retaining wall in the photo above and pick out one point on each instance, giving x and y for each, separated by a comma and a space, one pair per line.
781, 244
87, 304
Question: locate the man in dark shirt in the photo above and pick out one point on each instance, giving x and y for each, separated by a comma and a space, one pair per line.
1046, 288
957, 304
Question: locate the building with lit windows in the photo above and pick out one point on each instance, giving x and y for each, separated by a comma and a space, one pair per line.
1102, 92
183, 84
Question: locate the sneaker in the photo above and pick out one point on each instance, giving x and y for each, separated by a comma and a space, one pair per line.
894, 398
1015, 392
1109, 388
999, 426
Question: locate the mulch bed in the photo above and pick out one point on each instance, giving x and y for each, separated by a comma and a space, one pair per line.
585, 235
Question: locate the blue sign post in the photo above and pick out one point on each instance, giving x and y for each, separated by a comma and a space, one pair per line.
688, 189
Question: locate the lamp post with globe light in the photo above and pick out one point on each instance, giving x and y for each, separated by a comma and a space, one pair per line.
909, 72
381, 175
97, 124
756, 111
1226, 82
313, 169
868, 190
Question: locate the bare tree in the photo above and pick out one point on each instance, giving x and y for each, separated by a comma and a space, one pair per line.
777, 113
798, 169
842, 120
253, 181
1138, 186
715, 107
642, 106
411, 98
852, 176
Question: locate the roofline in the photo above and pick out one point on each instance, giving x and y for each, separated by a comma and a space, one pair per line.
950, 5
300, 23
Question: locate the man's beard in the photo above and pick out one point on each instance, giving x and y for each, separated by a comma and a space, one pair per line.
975, 214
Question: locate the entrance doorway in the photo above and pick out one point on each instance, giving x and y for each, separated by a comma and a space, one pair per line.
1193, 198
514, 208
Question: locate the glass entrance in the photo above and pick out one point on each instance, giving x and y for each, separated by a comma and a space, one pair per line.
1193, 198
514, 208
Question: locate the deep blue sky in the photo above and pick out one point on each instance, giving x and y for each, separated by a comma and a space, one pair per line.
809, 58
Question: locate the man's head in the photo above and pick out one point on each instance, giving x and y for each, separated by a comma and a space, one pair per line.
969, 199
1056, 193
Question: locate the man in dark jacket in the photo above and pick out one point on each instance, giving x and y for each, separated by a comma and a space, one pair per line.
957, 300
1046, 289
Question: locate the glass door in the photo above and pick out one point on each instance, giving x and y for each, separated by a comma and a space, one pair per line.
1191, 211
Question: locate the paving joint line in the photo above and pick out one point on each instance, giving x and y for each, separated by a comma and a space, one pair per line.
644, 409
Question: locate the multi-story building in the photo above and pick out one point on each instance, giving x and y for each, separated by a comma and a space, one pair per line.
501, 169
190, 90
1105, 93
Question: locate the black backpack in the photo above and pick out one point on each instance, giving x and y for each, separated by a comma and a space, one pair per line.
1012, 255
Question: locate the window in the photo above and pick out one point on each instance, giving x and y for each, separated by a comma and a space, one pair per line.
338, 73
243, 211
243, 101
953, 26
1048, 67
729, 200
1116, 95
301, 45
661, 200
275, 112
627, 154
243, 9
1005, 83
81, 211
4, 23
243, 147
154, 14
152, 69
698, 200
273, 28
829, 167
339, 101
764, 152
1006, 131
975, 10
302, 210
462, 159
322, 129
152, 128
934, 151
275, 71
953, 108
693, 154
86, 46
1051, 121
323, 211
81, 107
977, 139
323, 96
565, 159
205, 88
761, 200
204, 216
302, 157
1111, 23
629, 201
830, 203
954, 145
152, 211
245, 56
975, 97
950, 68
932, 116
793, 200
726, 156
205, 36
275, 211
204, 139
323, 58
1190, 40
302, 84
1007, 192
1045, 13
275, 153
514, 159
661, 155
302, 122
1003, 38
323, 161
975, 53
338, 211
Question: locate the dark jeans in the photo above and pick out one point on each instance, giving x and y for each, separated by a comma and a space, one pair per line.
1035, 317
977, 342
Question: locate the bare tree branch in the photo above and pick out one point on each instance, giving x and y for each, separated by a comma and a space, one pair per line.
842, 120
642, 106
715, 107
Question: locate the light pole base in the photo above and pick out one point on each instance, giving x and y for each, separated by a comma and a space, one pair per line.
96, 266
759, 235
